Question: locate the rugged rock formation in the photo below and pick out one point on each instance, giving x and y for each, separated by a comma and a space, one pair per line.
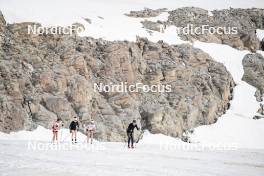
48, 76
146, 13
154, 26
254, 71
254, 75
244, 21
262, 44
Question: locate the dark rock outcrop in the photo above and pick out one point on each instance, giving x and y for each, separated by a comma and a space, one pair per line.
2, 19
254, 73
260, 112
153, 26
262, 44
146, 13
257, 117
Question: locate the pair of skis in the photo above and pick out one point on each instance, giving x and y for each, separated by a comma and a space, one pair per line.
140, 136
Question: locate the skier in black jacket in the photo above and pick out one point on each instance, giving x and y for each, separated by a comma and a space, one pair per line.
74, 126
130, 133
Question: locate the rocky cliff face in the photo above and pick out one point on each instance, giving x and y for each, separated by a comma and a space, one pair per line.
254, 75
245, 21
54, 76
254, 70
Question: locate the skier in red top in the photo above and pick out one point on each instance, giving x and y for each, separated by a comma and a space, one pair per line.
55, 129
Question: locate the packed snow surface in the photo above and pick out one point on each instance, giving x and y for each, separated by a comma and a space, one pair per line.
32, 153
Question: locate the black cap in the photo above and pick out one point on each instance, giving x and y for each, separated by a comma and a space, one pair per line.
134, 121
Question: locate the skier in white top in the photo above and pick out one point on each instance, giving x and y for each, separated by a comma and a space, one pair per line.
90, 131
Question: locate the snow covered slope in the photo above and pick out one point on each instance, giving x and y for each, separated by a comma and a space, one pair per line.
236, 125
107, 17
110, 23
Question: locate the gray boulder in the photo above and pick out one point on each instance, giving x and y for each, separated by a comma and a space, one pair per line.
254, 73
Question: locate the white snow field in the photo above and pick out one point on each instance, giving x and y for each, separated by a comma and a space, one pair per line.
31, 153
234, 145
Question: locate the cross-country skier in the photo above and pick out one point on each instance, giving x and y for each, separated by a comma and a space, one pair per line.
130, 133
55, 129
74, 126
90, 130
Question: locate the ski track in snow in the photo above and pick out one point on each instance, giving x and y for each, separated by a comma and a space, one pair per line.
151, 157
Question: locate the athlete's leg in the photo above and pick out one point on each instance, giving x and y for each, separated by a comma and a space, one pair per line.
132, 139
88, 135
56, 136
75, 135
72, 135
91, 137
129, 139
53, 136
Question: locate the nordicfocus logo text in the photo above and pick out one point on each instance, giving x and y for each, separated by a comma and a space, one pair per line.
54, 30
190, 29
125, 87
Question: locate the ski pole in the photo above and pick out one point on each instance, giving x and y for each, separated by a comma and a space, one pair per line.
140, 136
125, 140
61, 130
